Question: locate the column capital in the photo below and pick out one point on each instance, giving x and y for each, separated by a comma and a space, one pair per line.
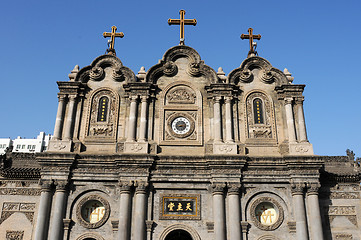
144, 98
61, 185
133, 98
46, 185
288, 100
299, 100
228, 99
233, 188
312, 188
72, 97
217, 99
218, 188
61, 97
125, 186
244, 226
297, 188
149, 224
141, 187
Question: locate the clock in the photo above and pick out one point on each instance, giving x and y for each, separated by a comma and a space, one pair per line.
181, 125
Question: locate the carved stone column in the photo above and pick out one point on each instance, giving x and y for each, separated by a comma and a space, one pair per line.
300, 214
42, 222
59, 118
143, 119
217, 123
124, 210
138, 227
218, 211
229, 124
301, 121
290, 120
314, 217
132, 118
68, 134
56, 223
234, 211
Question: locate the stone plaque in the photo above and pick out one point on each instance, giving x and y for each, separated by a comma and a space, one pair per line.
180, 206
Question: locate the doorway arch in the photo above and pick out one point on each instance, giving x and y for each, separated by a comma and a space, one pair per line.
179, 232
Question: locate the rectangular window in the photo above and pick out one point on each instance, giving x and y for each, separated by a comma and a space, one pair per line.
23, 147
34, 147
29, 147
18, 146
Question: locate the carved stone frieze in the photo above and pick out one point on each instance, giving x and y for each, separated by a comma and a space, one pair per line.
181, 95
20, 191
342, 236
10, 208
14, 235
347, 211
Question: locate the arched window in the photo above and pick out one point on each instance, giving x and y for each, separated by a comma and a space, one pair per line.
102, 109
258, 111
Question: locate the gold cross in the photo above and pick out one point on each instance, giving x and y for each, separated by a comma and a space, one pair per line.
250, 36
112, 36
182, 22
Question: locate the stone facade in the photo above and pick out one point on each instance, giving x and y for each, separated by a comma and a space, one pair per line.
179, 151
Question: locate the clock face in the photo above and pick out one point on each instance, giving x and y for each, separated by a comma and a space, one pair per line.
181, 125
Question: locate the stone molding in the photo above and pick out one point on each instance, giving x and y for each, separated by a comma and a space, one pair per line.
125, 186
61, 185
234, 188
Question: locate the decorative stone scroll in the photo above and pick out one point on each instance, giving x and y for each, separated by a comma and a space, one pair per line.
180, 206
92, 211
10, 208
342, 236
266, 213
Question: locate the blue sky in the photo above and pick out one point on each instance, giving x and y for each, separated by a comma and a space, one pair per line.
318, 41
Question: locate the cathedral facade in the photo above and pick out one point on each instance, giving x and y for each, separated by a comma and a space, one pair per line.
180, 151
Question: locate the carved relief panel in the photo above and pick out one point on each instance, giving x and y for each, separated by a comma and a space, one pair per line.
103, 115
181, 113
260, 117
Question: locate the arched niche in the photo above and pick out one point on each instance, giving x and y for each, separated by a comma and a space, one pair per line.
179, 228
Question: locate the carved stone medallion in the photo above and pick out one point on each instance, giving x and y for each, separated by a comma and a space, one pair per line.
266, 213
92, 211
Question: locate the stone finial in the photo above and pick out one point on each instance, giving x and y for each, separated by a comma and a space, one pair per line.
73, 73
288, 76
141, 74
221, 75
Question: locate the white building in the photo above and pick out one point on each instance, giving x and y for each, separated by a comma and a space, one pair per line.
19, 144
5, 143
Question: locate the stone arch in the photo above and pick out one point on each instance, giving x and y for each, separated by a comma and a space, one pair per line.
90, 235
183, 227
267, 237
